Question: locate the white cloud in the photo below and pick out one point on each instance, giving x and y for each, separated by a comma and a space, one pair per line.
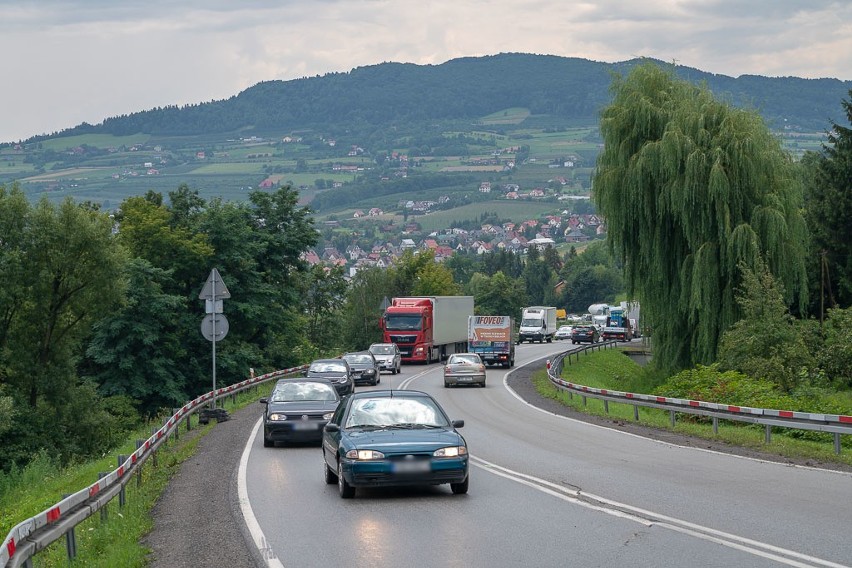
66, 62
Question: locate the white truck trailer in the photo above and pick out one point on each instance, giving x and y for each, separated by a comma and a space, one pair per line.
538, 323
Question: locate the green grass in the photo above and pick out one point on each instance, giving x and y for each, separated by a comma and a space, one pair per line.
611, 369
115, 542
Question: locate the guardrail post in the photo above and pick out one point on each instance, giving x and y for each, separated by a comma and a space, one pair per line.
584, 400
768, 436
139, 444
716, 425
672, 417
70, 539
606, 406
154, 453
636, 412
104, 509
121, 494
177, 426
837, 443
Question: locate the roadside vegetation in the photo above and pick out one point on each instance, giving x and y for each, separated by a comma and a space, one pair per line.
612, 369
29, 490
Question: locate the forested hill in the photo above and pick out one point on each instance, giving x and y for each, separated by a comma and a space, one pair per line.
465, 89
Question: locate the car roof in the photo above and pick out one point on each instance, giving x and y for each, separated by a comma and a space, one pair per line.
390, 393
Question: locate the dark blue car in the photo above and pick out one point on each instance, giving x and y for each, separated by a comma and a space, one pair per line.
393, 438
297, 410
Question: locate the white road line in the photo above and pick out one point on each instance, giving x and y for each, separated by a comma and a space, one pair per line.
650, 518
253, 526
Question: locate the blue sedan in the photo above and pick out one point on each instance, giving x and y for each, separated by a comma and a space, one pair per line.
393, 438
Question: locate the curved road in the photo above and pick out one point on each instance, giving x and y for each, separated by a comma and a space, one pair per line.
548, 491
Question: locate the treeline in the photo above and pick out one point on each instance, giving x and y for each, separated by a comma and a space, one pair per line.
100, 316
395, 94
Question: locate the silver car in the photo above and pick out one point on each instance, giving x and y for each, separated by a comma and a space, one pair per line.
388, 356
464, 369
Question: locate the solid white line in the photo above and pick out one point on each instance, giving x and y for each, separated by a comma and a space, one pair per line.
650, 518
253, 526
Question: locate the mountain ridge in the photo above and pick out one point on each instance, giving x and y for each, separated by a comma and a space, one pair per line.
391, 93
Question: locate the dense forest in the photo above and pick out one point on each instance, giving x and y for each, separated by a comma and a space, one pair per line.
395, 94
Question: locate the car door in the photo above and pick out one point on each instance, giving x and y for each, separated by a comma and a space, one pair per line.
331, 440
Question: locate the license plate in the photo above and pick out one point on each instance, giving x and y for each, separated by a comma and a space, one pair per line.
418, 466
304, 426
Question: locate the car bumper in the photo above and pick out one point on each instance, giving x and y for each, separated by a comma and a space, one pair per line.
294, 431
344, 388
454, 380
365, 379
382, 473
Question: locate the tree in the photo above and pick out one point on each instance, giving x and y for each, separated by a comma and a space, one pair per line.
829, 208
325, 290
691, 190
766, 343
137, 350
362, 307
498, 294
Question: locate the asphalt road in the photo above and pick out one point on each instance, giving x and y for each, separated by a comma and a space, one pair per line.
545, 491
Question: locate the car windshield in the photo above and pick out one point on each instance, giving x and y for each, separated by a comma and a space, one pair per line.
381, 350
464, 360
330, 367
290, 392
359, 359
386, 412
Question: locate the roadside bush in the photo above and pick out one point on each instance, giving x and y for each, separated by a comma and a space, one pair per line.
835, 357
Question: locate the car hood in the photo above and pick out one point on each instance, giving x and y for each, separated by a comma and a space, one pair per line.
400, 440
303, 406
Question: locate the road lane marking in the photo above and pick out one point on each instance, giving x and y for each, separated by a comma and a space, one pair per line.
252, 525
650, 518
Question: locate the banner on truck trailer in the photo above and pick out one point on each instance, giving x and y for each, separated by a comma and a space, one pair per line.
489, 328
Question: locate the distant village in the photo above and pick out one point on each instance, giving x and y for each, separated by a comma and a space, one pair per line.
552, 229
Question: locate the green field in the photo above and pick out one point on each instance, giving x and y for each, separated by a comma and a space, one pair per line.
96, 140
514, 115
515, 210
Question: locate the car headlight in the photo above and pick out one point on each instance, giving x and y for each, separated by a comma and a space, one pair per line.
277, 417
450, 452
364, 455
327, 415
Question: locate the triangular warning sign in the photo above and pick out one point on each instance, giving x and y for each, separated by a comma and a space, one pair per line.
214, 282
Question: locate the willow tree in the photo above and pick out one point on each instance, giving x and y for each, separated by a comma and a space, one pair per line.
690, 188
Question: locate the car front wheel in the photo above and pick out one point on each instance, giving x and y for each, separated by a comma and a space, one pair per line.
330, 476
460, 488
346, 490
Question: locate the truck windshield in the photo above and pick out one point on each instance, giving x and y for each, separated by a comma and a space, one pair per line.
531, 322
400, 322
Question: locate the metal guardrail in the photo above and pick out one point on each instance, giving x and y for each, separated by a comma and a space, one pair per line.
837, 424
29, 537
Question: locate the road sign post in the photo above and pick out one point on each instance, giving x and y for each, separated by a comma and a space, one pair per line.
214, 327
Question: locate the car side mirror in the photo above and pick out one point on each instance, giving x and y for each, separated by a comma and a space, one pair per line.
263, 401
458, 423
332, 427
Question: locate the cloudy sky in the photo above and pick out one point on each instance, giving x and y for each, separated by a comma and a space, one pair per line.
65, 62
